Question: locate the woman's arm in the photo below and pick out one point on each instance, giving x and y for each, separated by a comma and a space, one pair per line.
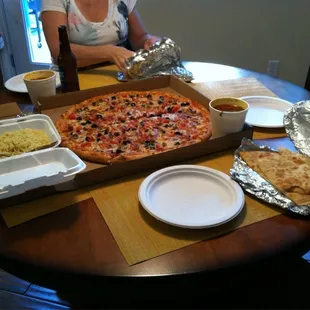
85, 55
138, 36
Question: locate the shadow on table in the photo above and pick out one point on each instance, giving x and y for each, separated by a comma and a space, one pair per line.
279, 282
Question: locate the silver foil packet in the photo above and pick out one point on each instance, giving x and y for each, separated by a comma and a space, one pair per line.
163, 58
253, 183
297, 125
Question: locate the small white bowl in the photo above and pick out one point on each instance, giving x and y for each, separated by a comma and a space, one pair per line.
226, 122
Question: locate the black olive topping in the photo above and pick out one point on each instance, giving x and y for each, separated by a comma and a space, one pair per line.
131, 118
178, 133
87, 139
99, 135
75, 136
79, 110
132, 96
99, 116
83, 123
88, 122
122, 121
113, 97
177, 143
142, 123
98, 139
149, 96
166, 126
133, 104
149, 145
128, 113
106, 131
94, 103
94, 126
79, 118
118, 151
151, 115
169, 109
184, 104
126, 142
116, 134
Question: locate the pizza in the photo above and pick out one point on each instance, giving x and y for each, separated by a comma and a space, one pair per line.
125, 126
287, 171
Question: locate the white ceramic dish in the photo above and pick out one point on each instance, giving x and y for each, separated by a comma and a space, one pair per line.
191, 196
17, 84
267, 112
34, 121
48, 167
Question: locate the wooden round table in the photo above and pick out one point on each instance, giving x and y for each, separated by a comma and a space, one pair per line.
77, 239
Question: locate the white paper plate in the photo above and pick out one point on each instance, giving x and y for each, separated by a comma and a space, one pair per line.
266, 111
191, 196
16, 83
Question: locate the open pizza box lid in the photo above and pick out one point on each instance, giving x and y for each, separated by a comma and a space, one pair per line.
51, 166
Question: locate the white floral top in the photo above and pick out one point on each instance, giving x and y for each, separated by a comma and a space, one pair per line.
113, 30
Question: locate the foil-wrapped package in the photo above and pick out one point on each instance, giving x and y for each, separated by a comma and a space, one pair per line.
297, 125
253, 183
163, 58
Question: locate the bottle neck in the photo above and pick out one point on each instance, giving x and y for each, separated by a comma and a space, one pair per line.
64, 44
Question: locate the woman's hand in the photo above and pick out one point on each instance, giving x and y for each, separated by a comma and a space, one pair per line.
119, 56
150, 41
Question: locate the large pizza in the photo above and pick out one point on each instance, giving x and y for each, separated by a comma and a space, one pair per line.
129, 125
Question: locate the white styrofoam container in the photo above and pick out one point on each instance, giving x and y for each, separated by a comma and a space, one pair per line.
34, 121
24, 172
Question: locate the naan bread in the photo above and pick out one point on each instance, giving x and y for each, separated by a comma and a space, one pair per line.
289, 172
252, 158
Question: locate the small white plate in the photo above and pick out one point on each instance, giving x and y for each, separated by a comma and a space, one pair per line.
17, 84
266, 111
191, 196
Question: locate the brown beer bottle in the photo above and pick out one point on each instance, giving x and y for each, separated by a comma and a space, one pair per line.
67, 63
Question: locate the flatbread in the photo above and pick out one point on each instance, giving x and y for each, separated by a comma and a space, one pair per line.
287, 171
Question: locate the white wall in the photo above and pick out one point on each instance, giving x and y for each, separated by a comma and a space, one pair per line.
242, 33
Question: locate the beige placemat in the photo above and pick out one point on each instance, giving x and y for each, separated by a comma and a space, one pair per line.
233, 88
19, 214
141, 237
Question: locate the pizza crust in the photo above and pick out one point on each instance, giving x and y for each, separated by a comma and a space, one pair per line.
101, 158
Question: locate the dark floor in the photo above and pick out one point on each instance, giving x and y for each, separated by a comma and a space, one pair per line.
278, 283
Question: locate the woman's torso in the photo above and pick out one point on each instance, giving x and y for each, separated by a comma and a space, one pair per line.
87, 29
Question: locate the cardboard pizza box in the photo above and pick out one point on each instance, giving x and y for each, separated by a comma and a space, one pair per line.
94, 173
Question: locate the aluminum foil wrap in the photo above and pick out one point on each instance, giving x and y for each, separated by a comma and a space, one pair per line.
297, 125
253, 183
163, 58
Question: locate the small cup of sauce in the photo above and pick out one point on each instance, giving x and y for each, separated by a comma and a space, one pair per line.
227, 115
